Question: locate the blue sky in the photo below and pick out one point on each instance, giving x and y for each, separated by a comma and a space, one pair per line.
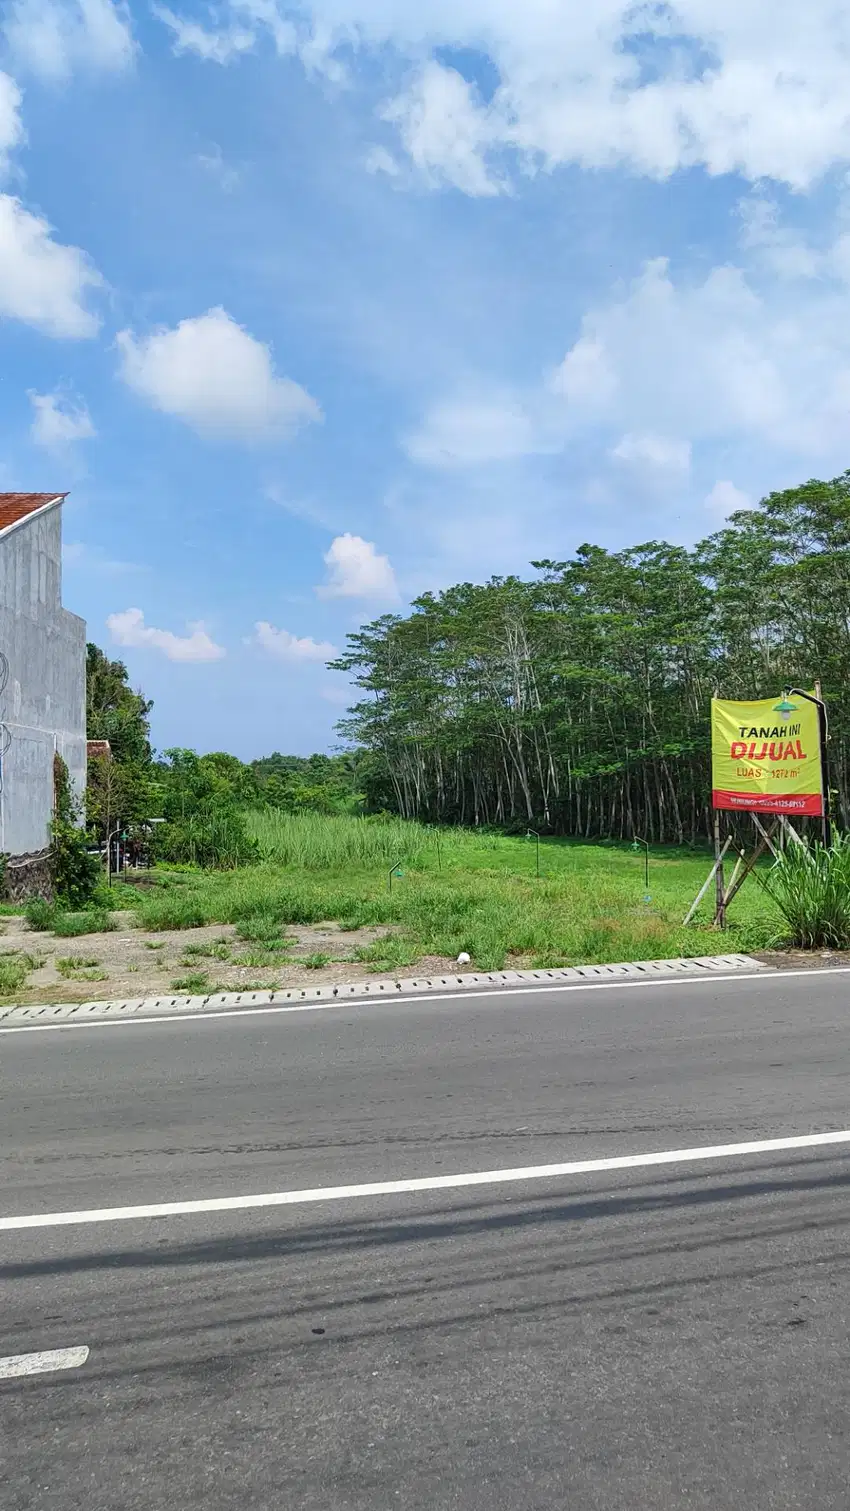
313, 307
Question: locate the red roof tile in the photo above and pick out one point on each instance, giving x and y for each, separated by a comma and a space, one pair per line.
15, 506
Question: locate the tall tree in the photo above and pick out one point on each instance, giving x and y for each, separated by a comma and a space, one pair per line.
113, 711
579, 701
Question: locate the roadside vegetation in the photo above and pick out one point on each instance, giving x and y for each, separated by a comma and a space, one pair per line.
438, 895
810, 889
574, 704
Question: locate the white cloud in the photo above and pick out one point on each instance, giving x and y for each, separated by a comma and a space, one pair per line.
585, 377
759, 88
379, 160
720, 358
445, 130
129, 628
725, 499
11, 126
287, 647
355, 570
58, 421
56, 37
654, 454
213, 163
781, 250
216, 377
220, 45
681, 379
42, 282
469, 432
232, 29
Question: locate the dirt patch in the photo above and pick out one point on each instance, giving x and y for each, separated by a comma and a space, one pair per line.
129, 962
813, 960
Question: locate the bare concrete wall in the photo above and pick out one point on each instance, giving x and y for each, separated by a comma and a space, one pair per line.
44, 703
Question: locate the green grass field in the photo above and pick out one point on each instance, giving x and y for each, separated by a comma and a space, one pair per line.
459, 891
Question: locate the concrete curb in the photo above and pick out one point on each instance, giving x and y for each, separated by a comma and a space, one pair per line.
646, 970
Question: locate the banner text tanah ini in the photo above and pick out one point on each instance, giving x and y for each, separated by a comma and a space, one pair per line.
766, 757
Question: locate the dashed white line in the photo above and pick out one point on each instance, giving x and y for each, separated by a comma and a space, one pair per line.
15, 1365
424, 1183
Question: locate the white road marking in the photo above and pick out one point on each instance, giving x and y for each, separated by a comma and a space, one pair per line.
424, 1183
42, 1364
462, 994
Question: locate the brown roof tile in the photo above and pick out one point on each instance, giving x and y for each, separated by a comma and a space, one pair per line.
15, 506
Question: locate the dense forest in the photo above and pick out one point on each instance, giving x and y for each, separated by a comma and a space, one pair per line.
579, 701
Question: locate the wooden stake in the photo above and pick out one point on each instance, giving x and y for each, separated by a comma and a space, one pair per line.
705, 886
762, 845
765, 834
719, 852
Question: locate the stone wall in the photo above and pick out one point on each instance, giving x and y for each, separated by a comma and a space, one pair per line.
27, 876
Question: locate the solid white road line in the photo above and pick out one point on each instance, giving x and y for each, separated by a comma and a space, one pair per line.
426, 1183
42, 1364
465, 994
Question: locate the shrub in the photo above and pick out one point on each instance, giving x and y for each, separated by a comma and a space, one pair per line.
810, 886
260, 928
272, 954
79, 968
71, 925
217, 840
75, 872
195, 984
39, 915
163, 912
218, 951
14, 969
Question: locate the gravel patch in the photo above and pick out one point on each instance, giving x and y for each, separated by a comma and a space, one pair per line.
131, 962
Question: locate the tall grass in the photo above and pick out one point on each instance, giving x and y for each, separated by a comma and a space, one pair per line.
14, 969
570, 917
810, 887
316, 842
458, 891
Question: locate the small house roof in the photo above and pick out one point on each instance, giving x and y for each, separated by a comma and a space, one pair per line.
16, 506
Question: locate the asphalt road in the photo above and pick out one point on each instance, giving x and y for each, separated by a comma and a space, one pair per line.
652, 1337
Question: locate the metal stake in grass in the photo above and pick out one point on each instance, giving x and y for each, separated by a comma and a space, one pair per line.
636, 844
528, 834
439, 850
395, 872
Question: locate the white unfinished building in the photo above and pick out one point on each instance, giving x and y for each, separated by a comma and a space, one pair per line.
42, 681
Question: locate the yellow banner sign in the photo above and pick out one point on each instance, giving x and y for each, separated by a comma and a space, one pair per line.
766, 756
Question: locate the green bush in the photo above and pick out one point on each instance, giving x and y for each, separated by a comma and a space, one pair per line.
217, 840
40, 915
79, 968
810, 886
14, 969
76, 874
72, 925
163, 912
195, 985
260, 928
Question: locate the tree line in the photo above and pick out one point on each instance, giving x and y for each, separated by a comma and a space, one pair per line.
578, 702
179, 806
